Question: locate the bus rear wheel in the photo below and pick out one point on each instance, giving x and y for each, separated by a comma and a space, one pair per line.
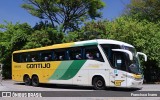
27, 80
99, 83
35, 81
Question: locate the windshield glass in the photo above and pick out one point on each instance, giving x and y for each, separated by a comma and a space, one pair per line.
120, 60
134, 65
117, 60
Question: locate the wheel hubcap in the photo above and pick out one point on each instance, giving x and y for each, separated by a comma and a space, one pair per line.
99, 83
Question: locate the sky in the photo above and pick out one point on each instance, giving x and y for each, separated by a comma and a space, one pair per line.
11, 11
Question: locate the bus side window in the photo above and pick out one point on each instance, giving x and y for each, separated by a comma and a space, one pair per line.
55, 57
75, 53
34, 57
93, 53
24, 57
60, 54
46, 55
16, 57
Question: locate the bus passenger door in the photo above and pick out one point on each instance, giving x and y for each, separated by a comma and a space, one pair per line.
118, 77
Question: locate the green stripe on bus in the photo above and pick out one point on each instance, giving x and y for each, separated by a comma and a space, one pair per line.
62, 68
93, 43
73, 69
85, 44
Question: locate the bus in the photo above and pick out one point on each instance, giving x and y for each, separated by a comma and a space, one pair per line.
99, 63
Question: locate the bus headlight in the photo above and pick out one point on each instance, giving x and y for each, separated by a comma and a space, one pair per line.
135, 78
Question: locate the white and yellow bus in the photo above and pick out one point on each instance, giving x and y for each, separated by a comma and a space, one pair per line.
100, 63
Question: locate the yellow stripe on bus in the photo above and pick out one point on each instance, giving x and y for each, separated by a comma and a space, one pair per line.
56, 46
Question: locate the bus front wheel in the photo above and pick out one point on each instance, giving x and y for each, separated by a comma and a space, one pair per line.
99, 83
35, 81
27, 80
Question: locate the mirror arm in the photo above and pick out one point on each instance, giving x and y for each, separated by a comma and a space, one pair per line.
140, 53
125, 51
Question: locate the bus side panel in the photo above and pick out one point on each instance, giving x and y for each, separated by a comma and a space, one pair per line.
66, 72
18, 71
89, 70
17, 75
34, 68
82, 77
45, 73
98, 69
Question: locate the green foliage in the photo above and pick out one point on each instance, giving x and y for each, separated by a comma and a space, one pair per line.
12, 37
38, 39
66, 13
145, 9
91, 30
44, 37
22, 36
143, 35
42, 25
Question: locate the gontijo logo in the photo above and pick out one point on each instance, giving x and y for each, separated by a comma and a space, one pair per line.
40, 65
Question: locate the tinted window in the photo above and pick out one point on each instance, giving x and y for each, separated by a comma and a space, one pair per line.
116, 59
24, 57
16, 57
93, 53
75, 53
107, 48
119, 60
34, 57
46, 55
60, 54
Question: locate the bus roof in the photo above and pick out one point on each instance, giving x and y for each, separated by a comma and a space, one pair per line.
75, 44
105, 41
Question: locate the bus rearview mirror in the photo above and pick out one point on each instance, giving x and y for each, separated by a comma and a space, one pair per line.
125, 51
144, 55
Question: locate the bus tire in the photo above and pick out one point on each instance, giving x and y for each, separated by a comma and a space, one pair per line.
27, 80
35, 81
99, 83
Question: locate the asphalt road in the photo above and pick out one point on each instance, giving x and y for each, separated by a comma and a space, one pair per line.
81, 92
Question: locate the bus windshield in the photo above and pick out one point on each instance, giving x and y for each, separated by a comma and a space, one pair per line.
120, 60
134, 65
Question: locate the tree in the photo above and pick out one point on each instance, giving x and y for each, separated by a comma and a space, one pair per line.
42, 25
44, 37
145, 9
12, 37
90, 30
66, 13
